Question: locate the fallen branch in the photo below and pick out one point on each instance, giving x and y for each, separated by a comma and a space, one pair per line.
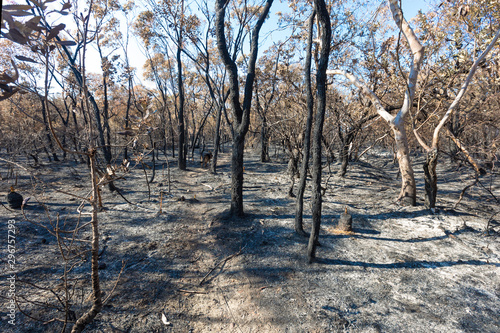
192, 291
488, 190
463, 192
464, 150
487, 231
210, 187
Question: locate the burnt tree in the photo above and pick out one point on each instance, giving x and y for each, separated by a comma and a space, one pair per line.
241, 111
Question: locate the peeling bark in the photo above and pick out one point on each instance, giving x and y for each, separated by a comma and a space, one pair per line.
408, 194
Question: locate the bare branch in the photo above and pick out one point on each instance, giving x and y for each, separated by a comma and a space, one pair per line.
368, 93
463, 89
417, 51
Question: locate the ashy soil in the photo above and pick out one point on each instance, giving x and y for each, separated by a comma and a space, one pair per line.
192, 268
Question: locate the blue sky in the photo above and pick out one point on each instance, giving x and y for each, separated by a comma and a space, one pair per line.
410, 9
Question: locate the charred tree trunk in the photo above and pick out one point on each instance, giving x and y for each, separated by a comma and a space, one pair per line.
47, 129
237, 176
345, 159
325, 31
77, 130
172, 134
213, 165
127, 114
430, 178
241, 111
264, 141
293, 169
154, 162
182, 146
107, 130
102, 141
299, 204
344, 150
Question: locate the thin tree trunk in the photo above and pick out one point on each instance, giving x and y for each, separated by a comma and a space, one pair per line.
154, 162
299, 204
213, 165
107, 130
127, 114
344, 151
182, 147
264, 141
196, 137
49, 138
430, 178
89, 316
325, 33
100, 130
237, 176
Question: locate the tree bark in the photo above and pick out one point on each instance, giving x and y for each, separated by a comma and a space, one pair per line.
326, 35
299, 204
264, 141
213, 165
182, 147
346, 139
237, 176
430, 178
87, 317
408, 194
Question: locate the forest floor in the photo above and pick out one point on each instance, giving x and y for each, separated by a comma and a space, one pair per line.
191, 268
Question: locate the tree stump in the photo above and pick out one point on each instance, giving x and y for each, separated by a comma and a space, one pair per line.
14, 199
345, 221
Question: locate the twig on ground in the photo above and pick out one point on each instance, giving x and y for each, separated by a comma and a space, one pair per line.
229, 308
223, 261
116, 283
192, 291
210, 187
